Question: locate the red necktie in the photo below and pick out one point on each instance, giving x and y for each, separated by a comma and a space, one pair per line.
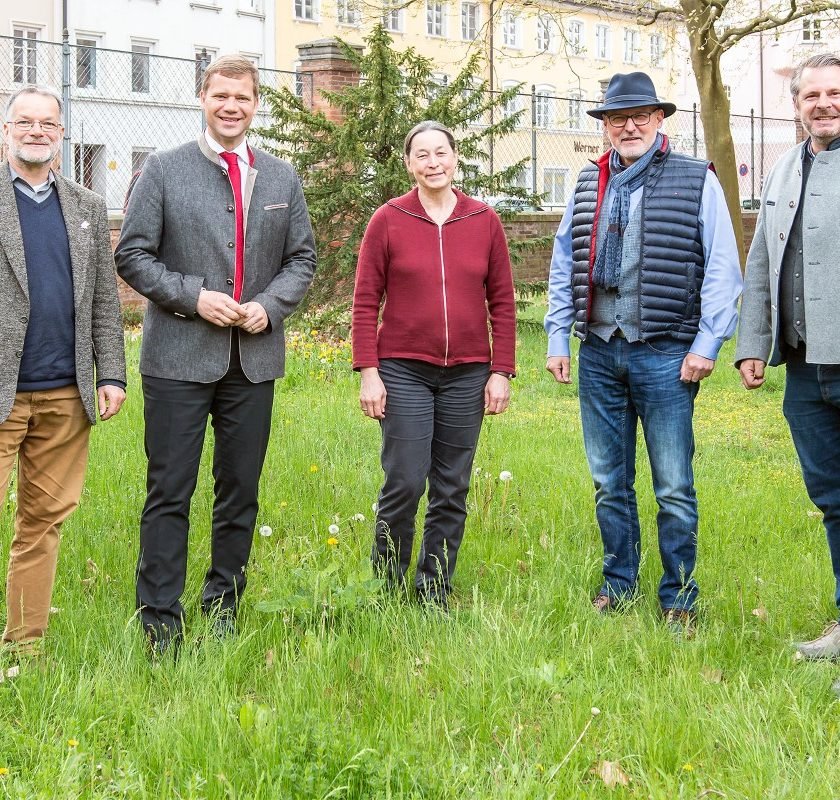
235, 176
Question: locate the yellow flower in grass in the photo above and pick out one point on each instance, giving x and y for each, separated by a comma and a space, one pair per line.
4, 771
72, 742
687, 768
332, 541
313, 467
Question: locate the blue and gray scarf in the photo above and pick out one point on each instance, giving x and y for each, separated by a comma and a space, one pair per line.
623, 181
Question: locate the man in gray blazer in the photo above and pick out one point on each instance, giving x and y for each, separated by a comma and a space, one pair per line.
791, 306
61, 322
217, 236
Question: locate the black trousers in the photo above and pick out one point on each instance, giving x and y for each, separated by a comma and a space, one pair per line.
176, 415
433, 417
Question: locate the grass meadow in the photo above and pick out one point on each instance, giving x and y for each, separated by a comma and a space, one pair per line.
329, 691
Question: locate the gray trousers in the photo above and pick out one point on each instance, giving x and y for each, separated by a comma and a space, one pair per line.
430, 431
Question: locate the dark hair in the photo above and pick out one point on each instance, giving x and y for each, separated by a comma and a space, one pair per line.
428, 125
231, 66
814, 62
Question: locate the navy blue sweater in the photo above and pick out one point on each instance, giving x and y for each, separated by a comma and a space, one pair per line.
49, 350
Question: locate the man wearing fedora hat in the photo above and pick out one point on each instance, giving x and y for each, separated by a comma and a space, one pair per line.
645, 269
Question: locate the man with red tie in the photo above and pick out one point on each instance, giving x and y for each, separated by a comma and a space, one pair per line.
217, 237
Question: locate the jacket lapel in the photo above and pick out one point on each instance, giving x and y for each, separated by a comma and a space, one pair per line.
11, 240
78, 234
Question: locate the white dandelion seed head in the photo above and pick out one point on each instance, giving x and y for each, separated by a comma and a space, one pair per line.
595, 711
265, 530
333, 529
505, 476
374, 507
358, 517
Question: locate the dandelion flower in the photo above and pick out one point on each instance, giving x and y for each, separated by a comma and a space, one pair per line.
72, 742
332, 541
265, 530
595, 711
374, 507
358, 517
313, 467
505, 476
283, 504
687, 767
4, 770
333, 529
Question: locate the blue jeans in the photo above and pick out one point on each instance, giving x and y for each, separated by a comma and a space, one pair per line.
812, 409
433, 417
621, 383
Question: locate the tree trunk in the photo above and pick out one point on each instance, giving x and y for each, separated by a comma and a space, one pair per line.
714, 113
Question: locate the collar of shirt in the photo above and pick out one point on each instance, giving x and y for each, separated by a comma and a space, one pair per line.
38, 193
242, 156
808, 150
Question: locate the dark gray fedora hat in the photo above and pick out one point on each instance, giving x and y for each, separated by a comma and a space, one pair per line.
630, 91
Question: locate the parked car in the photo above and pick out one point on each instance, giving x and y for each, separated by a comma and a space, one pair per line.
509, 203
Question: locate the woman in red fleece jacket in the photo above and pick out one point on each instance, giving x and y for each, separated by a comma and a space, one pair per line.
440, 261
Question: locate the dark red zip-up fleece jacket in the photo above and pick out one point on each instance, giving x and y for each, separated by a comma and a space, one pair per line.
440, 284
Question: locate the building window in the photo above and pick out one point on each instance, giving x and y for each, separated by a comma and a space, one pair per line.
545, 33
25, 57
576, 116
203, 57
554, 186
347, 12
544, 107
140, 67
435, 18
86, 63
252, 6
306, 9
513, 105
89, 166
392, 16
657, 49
574, 36
437, 84
511, 29
520, 180
469, 21
811, 31
138, 158
631, 46
602, 42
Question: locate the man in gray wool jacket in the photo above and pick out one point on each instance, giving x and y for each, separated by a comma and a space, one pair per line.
217, 236
790, 311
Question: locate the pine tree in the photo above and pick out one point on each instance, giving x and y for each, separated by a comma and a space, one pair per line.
352, 167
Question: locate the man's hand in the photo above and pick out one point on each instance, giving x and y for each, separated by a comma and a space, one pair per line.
752, 372
496, 394
255, 320
560, 367
219, 308
695, 368
372, 394
110, 399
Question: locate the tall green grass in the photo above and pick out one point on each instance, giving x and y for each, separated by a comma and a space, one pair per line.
329, 691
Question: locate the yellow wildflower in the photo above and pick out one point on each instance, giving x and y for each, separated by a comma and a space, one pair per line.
4, 771
313, 467
72, 742
332, 541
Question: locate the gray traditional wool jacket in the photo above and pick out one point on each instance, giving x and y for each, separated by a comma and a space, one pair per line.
758, 332
177, 239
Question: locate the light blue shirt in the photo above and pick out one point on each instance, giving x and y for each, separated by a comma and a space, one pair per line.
722, 282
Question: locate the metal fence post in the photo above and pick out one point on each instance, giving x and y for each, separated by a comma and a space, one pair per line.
752, 158
66, 146
694, 127
533, 139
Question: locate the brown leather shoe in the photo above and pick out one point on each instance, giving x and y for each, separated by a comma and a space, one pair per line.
603, 604
682, 622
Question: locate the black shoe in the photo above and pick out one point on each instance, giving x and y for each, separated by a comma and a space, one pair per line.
164, 647
223, 626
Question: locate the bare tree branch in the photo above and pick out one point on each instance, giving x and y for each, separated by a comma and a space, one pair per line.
774, 18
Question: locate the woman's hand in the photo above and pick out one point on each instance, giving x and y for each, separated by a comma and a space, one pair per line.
372, 394
496, 394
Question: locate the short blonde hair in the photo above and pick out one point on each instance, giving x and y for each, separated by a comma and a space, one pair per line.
231, 66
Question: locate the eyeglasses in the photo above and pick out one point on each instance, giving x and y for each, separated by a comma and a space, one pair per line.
29, 124
620, 120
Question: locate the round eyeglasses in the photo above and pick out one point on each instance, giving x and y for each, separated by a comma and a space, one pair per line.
29, 124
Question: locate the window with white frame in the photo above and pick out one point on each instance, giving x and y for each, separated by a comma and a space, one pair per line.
306, 10
811, 29
631, 46
141, 67
347, 12
438, 82
470, 21
544, 107
435, 18
251, 6
86, 61
574, 36
657, 49
393, 16
513, 104
511, 29
25, 55
576, 118
554, 186
545, 33
520, 179
602, 43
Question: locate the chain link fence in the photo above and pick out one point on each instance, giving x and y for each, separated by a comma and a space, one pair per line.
557, 137
121, 105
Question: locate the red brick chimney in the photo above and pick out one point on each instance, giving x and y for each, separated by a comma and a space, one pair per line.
330, 69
